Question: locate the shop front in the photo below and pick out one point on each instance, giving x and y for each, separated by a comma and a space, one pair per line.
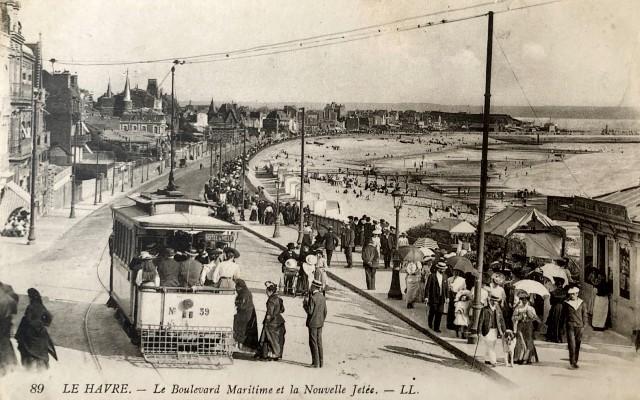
610, 239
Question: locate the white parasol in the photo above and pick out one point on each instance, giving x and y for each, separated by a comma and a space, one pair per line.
532, 287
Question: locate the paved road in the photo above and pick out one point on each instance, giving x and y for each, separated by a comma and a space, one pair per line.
364, 345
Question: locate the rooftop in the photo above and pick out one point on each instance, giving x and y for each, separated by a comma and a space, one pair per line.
628, 198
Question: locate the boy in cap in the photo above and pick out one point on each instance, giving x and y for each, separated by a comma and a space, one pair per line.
574, 318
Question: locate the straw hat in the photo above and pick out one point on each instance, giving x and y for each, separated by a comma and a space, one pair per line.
145, 255
316, 283
311, 259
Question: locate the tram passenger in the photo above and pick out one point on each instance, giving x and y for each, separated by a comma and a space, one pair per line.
168, 268
147, 275
190, 269
215, 258
227, 271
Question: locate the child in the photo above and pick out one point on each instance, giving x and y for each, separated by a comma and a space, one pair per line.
462, 303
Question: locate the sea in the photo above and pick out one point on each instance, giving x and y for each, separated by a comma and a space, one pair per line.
588, 125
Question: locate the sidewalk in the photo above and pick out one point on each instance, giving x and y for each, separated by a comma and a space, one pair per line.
608, 348
56, 223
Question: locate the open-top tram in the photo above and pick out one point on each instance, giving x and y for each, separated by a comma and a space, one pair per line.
173, 325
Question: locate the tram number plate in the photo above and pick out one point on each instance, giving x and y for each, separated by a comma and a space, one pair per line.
217, 237
204, 312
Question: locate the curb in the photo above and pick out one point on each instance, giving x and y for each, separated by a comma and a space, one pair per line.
480, 367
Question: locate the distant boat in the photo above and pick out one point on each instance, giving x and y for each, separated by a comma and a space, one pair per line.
406, 141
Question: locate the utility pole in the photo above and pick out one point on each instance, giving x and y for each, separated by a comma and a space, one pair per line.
72, 212
95, 192
36, 97
477, 306
171, 186
301, 222
211, 155
244, 176
220, 160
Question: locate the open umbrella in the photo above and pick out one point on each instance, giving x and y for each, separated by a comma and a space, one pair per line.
426, 242
555, 271
531, 286
427, 251
408, 253
461, 263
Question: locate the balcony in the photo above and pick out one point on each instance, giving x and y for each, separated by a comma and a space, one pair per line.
21, 92
19, 149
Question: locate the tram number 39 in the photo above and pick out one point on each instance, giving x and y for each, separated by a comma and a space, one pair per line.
204, 312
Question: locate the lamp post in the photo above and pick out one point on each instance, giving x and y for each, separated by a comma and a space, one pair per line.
394, 291
72, 212
276, 229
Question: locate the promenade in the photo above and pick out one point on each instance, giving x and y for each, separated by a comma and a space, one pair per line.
598, 348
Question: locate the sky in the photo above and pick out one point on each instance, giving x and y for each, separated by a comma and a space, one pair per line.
576, 52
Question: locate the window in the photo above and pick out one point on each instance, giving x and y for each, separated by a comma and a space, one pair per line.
625, 271
144, 128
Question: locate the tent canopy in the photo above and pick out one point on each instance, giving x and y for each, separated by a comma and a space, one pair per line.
513, 219
542, 245
454, 226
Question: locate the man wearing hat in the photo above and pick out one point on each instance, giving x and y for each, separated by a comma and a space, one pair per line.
348, 242
436, 292
316, 307
574, 319
491, 323
168, 268
330, 243
190, 269
228, 270
370, 257
387, 246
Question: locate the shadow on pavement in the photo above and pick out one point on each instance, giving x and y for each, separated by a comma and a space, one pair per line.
450, 362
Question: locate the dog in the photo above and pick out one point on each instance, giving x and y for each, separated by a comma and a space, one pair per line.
509, 346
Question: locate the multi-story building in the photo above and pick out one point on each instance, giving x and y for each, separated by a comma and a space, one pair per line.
5, 96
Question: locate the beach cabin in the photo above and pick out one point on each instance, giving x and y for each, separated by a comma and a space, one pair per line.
610, 243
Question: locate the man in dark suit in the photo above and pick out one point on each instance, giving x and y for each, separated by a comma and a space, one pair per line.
490, 325
348, 244
370, 264
330, 243
353, 223
435, 295
387, 245
190, 269
316, 307
168, 268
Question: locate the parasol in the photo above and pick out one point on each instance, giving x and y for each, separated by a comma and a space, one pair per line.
426, 242
555, 271
461, 263
427, 251
408, 253
531, 286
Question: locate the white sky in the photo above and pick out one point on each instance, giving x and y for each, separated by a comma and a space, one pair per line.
580, 52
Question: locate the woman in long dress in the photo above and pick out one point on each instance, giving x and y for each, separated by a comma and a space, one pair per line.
34, 342
601, 304
245, 322
555, 327
271, 342
414, 284
524, 315
254, 212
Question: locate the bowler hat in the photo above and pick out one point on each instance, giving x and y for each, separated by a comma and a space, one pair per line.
291, 246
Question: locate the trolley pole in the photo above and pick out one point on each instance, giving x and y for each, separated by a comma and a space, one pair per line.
477, 306
301, 222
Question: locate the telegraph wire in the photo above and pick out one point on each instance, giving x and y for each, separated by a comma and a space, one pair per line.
516, 77
322, 40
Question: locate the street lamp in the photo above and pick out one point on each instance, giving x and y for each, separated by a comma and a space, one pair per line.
276, 229
394, 291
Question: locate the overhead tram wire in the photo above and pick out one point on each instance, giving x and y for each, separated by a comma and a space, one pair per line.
515, 76
283, 43
330, 39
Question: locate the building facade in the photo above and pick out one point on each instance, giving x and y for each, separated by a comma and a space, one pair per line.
610, 244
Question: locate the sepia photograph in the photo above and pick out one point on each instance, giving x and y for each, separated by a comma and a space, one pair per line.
319, 199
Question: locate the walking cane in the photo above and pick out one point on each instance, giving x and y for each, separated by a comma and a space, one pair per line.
473, 363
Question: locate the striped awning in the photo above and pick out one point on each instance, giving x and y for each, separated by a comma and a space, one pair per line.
14, 197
